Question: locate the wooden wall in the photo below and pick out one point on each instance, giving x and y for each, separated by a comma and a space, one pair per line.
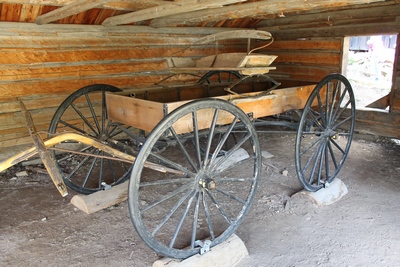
42, 65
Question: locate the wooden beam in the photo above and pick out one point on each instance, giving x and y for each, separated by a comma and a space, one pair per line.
69, 10
166, 10
259, 9
123, 5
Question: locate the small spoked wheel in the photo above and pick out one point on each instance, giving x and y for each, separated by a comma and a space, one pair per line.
86, 169
325, 132
210, 174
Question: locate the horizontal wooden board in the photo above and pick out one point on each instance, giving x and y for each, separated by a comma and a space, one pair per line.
43, 73
331, 44
40, 55
322, 59
141, 114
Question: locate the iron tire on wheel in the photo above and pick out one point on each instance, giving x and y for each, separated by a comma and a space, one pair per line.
325, 132
209, 196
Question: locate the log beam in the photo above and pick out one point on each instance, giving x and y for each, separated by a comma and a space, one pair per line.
168, 9
69, 10
259, 9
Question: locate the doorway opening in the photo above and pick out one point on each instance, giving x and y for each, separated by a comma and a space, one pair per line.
369, 68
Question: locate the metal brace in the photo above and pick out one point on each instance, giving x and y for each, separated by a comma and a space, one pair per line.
105, 186
204, 247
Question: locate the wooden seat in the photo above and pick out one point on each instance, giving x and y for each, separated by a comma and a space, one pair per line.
246, 63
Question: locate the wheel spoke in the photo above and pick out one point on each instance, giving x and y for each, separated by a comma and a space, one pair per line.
172, 211
305, 150
196, 138
183, 149
75, 128
172, 164
208, 217
94, 116
166, 197
179, 226
84, 118
166, 182
195, 220
210, 137
316, 162
90, 170
231, 151
218, 206
231, 196
332, 155
222, 141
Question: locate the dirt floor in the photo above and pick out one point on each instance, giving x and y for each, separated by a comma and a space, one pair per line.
40, 228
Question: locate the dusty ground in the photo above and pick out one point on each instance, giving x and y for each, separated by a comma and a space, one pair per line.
39, 228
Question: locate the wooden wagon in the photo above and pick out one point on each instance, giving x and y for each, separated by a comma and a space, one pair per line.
192, 152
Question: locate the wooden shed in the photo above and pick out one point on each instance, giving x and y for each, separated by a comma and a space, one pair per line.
50, 48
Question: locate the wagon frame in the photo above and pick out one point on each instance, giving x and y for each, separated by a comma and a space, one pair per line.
196, 163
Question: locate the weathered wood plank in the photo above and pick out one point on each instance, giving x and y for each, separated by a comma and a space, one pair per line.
71, 84
42, 56
68, 10
21, 29
26, 73
166, 9
134, 112
333, 44
253, 9
321, 59
87, 41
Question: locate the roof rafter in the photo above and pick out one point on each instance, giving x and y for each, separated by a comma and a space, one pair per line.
69, 10
259, 9
167, 9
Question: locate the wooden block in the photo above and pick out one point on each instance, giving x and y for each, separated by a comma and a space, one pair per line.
101, 199
325, 196
226, 254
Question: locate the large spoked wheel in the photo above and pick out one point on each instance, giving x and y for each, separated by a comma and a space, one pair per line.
214, 164
86, 169
219, 76
325, 132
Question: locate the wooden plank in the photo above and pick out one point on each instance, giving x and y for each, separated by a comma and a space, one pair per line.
321, 59
141, 114
332, 44
43, 56
259, 9
166, 9
44, 154
71, 84
68, 10
87, 69
22, 29
87, 41
236, 34
377, 123
101, 199
225, 254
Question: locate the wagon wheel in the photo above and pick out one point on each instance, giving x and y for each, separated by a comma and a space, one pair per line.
207, 196
86, 169
325, 132
219, 76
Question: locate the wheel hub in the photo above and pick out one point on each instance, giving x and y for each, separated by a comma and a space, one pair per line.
205, 181
330, 133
